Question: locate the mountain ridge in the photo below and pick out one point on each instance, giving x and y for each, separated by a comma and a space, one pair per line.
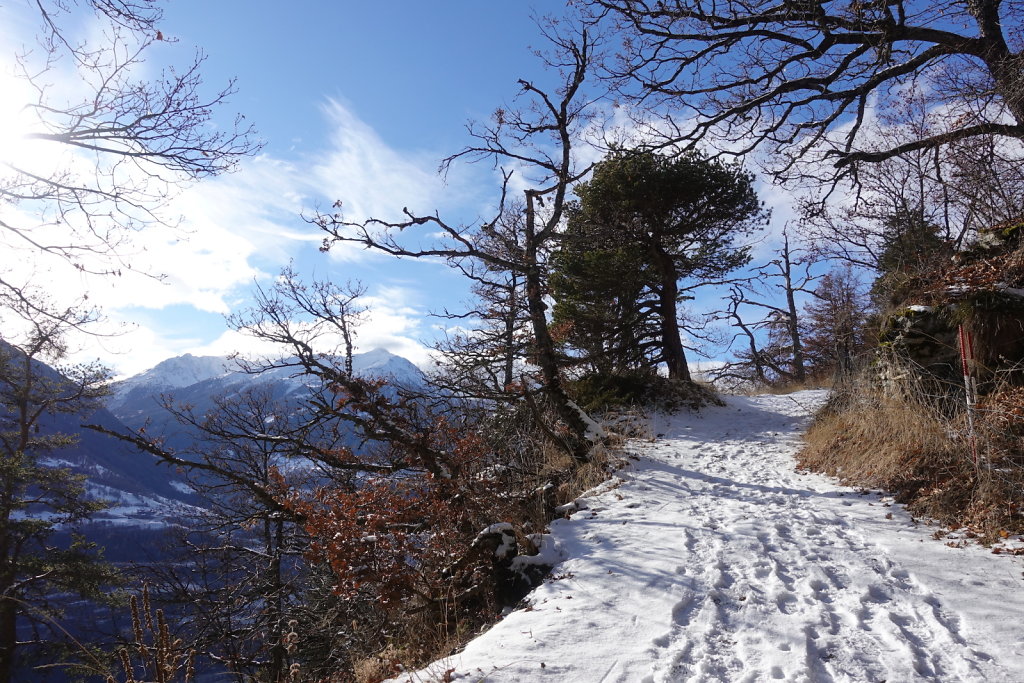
138, 401
180, 373
143, 491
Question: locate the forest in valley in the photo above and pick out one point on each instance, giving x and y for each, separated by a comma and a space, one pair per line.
361, 524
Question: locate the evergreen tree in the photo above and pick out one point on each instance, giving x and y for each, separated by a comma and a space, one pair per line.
911, 246
836, 323
38, 498
602, 302
643, 223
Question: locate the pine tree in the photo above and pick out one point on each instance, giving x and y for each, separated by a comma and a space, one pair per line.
603, 308
38, 498
836, 323
911, 246
643, 223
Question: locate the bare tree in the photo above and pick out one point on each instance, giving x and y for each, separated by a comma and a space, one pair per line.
121, 145
255, 458
966, 187
537, 141
799, 75
485, 359
241, 569
765, 311
397, 491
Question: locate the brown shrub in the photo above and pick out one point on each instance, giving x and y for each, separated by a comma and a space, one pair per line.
918, 448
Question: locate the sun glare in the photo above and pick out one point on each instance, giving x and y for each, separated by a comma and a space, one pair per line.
16, 122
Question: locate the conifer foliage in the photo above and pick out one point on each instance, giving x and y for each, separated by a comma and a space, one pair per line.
836, 323
643, 223
38, 497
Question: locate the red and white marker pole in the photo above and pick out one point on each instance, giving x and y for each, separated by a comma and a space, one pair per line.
970, 387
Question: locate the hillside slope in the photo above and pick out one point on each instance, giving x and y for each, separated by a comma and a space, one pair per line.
714, 560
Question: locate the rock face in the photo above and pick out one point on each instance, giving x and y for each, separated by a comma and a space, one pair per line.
921, 339
982, 291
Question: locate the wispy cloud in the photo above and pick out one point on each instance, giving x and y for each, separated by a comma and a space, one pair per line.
372, 179
395, 321
242, 227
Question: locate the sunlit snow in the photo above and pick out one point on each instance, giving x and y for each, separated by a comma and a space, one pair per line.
713, 559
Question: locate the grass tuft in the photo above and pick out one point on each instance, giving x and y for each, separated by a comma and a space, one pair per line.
918, 447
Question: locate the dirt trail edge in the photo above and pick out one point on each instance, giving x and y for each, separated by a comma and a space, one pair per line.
711, 559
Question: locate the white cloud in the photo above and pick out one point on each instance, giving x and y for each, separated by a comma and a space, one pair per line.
233, 229
135, 349
371, 179
394, 322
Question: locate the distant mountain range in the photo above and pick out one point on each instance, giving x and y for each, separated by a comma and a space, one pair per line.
140, 492
144, 491
197, 380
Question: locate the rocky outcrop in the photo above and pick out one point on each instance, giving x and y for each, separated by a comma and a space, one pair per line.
918, 339
981, 290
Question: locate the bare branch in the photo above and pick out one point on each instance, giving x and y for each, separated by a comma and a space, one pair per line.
799, 78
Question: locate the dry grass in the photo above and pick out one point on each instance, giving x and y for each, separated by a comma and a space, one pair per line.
593, 473
919, 449
424, 641
154, 653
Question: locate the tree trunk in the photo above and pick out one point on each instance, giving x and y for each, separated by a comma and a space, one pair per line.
544, 346
1005, 66
8, 638
511, 318
278, 653
793, 322
799, 365
672, 351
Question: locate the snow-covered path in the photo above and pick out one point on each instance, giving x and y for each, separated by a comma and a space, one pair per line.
714, 560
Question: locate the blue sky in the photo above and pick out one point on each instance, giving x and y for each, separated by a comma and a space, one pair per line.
365, 99
415, 70
354, 101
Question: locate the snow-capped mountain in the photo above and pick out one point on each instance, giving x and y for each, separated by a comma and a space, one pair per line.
173, 373
384, 364
142, 492
199, 380
186, 371
138, 489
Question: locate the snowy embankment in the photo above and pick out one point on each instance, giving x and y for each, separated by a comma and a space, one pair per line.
714, 560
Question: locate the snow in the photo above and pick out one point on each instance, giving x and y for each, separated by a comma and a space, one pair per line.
131, 509
549, 553
178, 372
507, 547
710, 558
594, 432
187, 371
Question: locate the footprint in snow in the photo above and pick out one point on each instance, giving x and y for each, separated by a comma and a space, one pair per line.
786, 602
